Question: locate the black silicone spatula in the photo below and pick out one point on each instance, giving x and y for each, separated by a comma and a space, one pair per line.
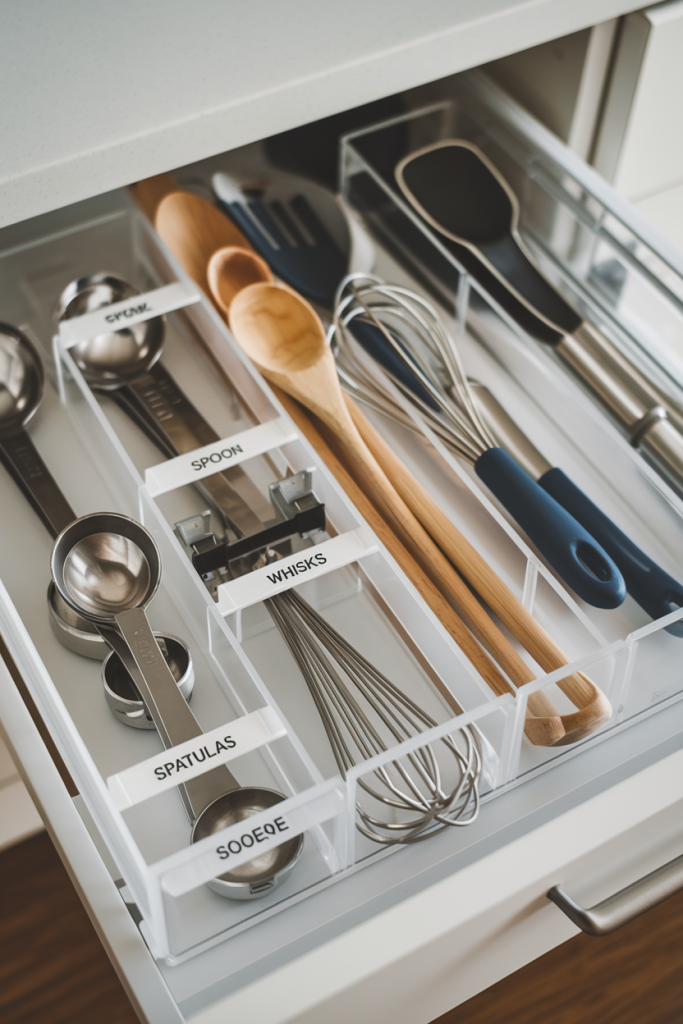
462, 195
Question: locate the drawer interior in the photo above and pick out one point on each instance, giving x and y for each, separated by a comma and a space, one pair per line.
102, 461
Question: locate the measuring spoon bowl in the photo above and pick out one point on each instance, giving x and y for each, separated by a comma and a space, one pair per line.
264, 872
107, 358
120, 691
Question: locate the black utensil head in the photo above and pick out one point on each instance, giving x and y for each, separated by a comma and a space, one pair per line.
456, 189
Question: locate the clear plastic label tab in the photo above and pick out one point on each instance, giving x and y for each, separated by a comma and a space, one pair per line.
213, 458
194, 757
134, 310
298, 568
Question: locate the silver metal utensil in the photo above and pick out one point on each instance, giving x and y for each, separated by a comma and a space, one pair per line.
22, 381
125, 365
107, 567
564, 541
421, 365
121, 694
365, 714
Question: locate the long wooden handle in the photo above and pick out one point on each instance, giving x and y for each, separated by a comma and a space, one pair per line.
581, 690
394, 510
543, 726
149, 192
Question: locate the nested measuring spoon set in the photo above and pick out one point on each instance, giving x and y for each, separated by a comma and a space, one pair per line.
233, 646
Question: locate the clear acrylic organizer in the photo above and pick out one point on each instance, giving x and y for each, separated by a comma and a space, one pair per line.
101, 460
606, 261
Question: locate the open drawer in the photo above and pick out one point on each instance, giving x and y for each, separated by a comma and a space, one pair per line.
412, 933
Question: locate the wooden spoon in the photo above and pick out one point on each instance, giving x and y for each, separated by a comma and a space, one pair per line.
230, 270
595, 709
230, 273
193, 230
285, 338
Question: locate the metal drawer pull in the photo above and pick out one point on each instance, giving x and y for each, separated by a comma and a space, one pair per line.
625, 905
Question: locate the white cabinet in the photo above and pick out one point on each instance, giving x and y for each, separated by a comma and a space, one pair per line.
405, 938
98, 102
639, 146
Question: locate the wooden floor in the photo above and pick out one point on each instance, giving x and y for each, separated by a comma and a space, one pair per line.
53, 969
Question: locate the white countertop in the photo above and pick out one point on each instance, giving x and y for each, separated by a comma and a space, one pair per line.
97, 96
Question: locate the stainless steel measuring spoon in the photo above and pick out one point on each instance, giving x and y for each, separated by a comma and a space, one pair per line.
125, 365
22, 381
121, 694
107, 567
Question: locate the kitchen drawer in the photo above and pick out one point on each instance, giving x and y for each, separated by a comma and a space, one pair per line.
414, 933
414, 947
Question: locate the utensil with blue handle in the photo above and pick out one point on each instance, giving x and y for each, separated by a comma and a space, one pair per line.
568, 547
287, 232
462, 195
649, 585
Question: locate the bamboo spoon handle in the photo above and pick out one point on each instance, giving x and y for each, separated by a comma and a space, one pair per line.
409, 530
581, 690
149, 192
543, 726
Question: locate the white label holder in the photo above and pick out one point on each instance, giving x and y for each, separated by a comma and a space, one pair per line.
297, 568
213, 458
187, 760
239, 843
134, 310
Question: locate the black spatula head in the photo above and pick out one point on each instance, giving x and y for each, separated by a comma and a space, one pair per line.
459, 193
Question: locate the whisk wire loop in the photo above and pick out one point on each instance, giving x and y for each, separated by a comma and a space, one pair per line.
364, 714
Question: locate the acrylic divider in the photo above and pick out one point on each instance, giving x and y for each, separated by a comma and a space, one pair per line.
172, 923
638, 496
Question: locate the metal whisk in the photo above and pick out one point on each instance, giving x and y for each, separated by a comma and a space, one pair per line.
405, 335
365, 714
427, 359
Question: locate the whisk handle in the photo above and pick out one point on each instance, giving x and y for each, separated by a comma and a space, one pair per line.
569, 548
647, 583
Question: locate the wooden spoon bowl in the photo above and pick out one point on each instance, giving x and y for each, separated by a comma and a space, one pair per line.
193, 230
231, 269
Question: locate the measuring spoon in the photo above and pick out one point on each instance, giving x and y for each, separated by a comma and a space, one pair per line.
108, 568
125, 365
22, 381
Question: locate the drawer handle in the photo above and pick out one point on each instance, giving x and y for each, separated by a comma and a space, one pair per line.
624, 906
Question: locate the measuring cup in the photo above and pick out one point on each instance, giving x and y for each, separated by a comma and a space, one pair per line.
120, 691
107, 567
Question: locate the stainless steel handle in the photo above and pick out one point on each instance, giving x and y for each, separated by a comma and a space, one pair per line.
628, 395
626, 905
137, 647
171, 411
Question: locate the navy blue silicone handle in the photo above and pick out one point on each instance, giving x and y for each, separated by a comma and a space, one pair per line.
654, 590
566, 544
376, 345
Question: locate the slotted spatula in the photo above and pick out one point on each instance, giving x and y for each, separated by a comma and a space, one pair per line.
285, 229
